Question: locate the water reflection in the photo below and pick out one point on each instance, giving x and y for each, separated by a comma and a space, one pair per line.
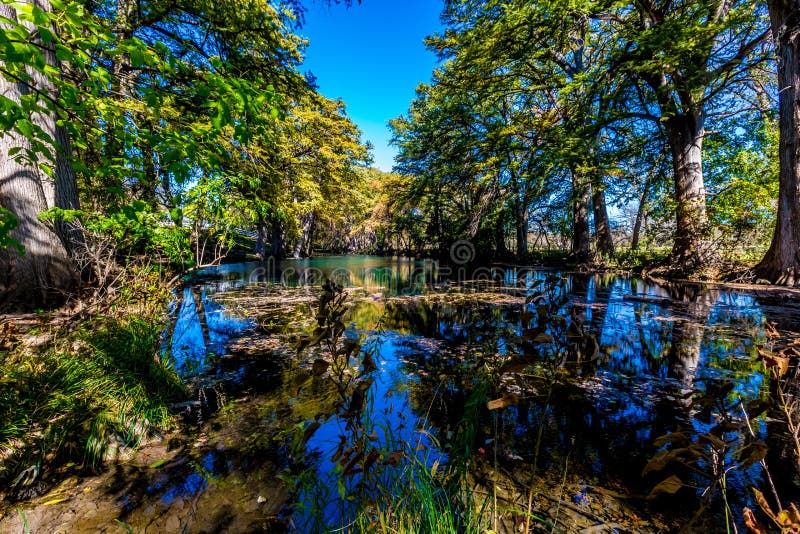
200, 327
657, 345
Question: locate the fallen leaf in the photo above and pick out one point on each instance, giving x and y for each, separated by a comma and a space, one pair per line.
752, 523
506, 400
669, 486
773, 360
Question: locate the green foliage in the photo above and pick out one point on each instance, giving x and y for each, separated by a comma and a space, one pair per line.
136, 229
542, 113
8, 221
743, 178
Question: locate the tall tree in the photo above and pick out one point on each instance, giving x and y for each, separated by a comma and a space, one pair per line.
781, 264
41, 272
688, 53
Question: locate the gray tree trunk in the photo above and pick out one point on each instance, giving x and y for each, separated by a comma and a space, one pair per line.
62, 190
44, 274
302, 244
500, 248
581, 235
602, 229
522, 219
640, 212
691, 250
781, 264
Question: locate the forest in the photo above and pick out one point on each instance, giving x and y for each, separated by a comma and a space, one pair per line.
148, 146
598, 131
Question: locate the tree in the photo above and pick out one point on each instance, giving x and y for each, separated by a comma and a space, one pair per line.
39, 272
781, 263
687, 54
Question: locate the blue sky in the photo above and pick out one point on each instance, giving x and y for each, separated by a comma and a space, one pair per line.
372, 56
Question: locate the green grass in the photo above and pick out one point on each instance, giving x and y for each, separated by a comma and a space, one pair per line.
423, 496
422, 500
636, 259
100, 384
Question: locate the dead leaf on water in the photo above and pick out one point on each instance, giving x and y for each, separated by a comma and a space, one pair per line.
669, 486
773, 360
506, 400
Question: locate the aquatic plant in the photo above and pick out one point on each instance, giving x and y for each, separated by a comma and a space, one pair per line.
384, 484
787, 400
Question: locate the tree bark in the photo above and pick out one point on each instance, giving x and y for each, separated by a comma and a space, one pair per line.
521, 219
691, 250
781, 263
62, 190
581, 236
301, 246
276, 243
44, 274
640, 212
602, 229
501, 251
261, 240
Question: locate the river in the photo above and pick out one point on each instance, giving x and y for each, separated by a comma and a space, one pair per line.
583, 397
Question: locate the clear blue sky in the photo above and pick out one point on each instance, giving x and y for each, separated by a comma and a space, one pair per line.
372, 56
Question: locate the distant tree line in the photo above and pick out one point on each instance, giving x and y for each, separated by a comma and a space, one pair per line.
160, 128
608, 125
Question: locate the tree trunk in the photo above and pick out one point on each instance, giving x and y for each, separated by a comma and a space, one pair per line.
781, 264
312, 227
62, 190
602, 228
521, 219
580, 218
300, 247
276, 242
640, 212
501, 251
44, 274
691, 250
261, 240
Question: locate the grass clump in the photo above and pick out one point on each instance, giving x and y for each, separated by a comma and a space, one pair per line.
96, 390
